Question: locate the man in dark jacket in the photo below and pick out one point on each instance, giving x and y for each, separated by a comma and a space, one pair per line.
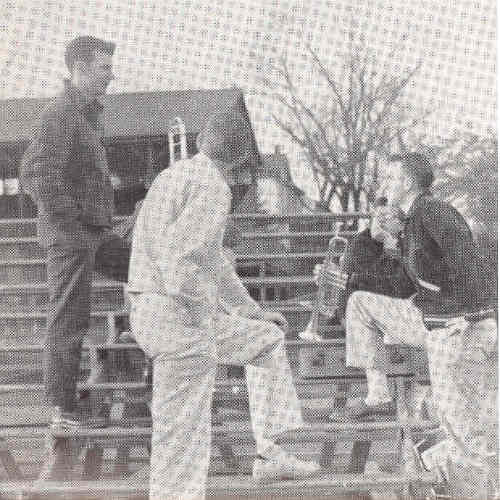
65, 171
450, 314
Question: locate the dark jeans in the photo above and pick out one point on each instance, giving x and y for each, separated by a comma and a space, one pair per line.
69, 274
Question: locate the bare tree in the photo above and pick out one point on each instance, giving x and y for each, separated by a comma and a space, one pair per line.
362, 113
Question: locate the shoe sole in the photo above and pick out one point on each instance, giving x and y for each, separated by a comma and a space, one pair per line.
374, 417
66, 427
284, 477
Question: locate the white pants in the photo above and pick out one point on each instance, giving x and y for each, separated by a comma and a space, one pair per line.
460, 363
185, 357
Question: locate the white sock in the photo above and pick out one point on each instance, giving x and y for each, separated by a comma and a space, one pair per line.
378, 388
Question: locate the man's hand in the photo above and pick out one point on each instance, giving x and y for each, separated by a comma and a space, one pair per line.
332, 275
318, 269
277, 318
389, 221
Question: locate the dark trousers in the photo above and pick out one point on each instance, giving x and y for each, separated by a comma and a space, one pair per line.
69, 274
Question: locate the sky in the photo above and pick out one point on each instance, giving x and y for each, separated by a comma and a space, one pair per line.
167, 45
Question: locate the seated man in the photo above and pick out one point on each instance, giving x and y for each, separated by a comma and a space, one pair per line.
450, 315
370, 262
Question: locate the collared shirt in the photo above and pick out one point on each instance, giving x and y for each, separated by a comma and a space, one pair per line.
442, 258
177, 243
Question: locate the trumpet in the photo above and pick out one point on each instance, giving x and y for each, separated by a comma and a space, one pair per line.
332, 285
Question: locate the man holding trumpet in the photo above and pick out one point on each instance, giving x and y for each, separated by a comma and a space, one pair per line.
369, 262
451, 314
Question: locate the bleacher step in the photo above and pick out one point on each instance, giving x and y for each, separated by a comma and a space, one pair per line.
322, 485
33, 275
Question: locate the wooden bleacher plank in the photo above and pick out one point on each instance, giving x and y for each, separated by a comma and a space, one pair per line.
258, 217
323, 484
116, 285
338, 345
317, 216
18, 239
235, 431
132, 346
38, 261
284, 235
105, 284
40, 315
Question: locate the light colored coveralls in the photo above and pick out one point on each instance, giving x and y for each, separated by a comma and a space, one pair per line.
178, 280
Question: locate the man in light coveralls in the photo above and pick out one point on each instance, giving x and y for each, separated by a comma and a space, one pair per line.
178, 278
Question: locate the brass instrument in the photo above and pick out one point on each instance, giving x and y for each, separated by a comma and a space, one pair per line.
331, 287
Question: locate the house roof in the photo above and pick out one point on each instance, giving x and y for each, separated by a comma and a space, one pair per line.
130, 114
275, 166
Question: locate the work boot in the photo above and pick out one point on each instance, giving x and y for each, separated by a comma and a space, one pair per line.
356, 410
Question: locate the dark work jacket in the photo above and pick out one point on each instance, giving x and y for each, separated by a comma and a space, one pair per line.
64, 170
443, 259
371, 269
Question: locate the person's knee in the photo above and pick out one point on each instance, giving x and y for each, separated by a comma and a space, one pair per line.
353, 304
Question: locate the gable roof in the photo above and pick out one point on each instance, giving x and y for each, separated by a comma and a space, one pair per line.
130, 114
276, 166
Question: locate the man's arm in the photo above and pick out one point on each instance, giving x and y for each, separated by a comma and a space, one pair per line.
44, 170
452, 235
233, 294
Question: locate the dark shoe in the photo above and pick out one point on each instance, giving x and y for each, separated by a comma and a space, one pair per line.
356, 410
70, 421
94, 379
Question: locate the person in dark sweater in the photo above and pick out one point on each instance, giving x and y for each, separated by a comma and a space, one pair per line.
370, 262
451, 315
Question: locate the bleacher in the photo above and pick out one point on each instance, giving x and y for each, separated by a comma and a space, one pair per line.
357, 458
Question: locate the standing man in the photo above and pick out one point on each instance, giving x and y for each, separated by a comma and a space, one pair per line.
65, 172
450, 315
178, 277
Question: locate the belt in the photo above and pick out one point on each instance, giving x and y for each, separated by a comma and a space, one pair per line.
434, 322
